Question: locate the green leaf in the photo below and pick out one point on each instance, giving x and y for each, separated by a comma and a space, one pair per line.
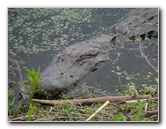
30, 113
128, 78
33, 83
119, 73
138, 118
119, 117
132, 94
27, 83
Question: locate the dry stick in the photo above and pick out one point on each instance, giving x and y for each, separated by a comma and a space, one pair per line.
134, 101
112, 99
142, 53
98, 110
142, 71
128, 118
143, 100
146, 106
146, 114
80, 104
150, 113
20, 118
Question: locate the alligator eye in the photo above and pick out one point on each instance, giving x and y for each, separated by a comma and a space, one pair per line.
94, 69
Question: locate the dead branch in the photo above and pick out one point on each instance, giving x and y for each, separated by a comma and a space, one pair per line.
111, 99
128, 118
134, 101
98, 110
20, 118
146, 58
150, 113
142, 100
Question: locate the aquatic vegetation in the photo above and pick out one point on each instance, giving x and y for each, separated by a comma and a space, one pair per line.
35, 31
38, 30
33, 83
152, 90
131, 90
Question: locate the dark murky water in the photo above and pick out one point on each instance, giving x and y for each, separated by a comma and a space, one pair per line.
36, 35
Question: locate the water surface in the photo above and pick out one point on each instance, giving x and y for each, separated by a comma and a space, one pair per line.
37, 35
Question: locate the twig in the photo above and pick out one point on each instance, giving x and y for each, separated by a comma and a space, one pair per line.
142, 53
134, 101
112, 99
80, 104
142, 71
150, 113
105, 104
128, 118
20, 118
146, 106
143, 100
50, 109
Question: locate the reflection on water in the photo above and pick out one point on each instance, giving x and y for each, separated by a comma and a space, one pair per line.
36, 35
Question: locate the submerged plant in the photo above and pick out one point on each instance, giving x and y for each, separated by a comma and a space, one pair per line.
152, 90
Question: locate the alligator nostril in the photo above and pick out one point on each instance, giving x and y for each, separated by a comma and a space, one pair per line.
132, 38
142, 36
150, 34
113, 39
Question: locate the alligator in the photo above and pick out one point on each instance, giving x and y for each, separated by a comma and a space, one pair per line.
138, 23
72, 64
75, 62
